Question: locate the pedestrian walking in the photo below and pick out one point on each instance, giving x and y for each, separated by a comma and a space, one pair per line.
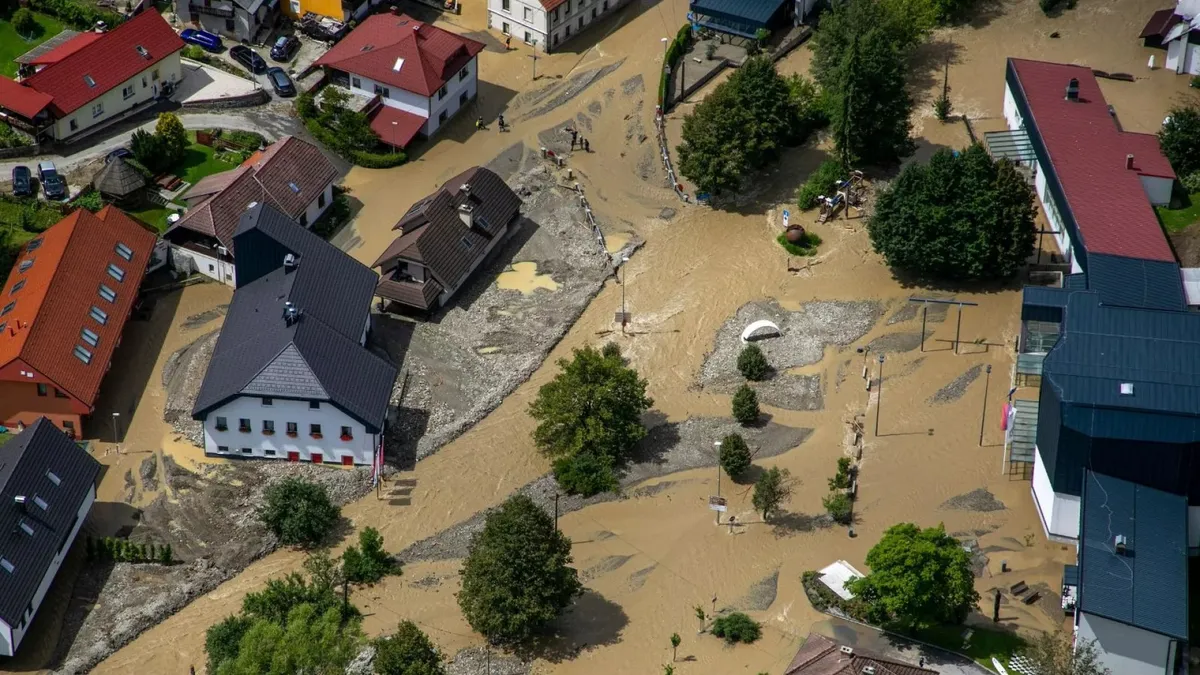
587, 147
574, 136
500, 122
508, 43
479, 123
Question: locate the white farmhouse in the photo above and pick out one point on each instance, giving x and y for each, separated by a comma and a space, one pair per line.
547, 24
47, 488
417, 75
291, 377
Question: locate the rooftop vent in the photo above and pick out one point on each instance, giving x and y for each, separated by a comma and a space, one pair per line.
1129, 161
289, 263
290, 313
19, 500
87, 79
293, 187
1120, 543
847, 650
1073, 90
142, 52
868, 670
1127, 389
398, 65
417, 27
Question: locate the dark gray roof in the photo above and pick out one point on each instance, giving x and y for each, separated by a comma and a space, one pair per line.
1130, 282
316, 356
26, 461
1147, 586
118, 178
1101, 347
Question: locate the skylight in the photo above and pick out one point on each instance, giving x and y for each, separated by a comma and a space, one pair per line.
53, 477
399, 64
8, 308
98, 314
17, 286
89, 336
366, 48
294, 188
142, 52
124, 251
41, 503
26, 264
3, 326
8, 567
89, 81
33, 244
115, 272
83, 354
108, 293
27, 529
465, 243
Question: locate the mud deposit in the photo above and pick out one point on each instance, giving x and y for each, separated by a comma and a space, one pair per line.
957, 387
979, 500
182, 376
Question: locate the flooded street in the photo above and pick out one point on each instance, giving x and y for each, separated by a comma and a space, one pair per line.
649, 558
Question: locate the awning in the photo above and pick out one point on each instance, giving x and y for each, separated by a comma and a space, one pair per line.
395, 127
1013, 145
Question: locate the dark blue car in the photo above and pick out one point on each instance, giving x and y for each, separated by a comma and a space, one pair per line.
202, 38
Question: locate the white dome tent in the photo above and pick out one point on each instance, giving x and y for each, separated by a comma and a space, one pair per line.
760, 330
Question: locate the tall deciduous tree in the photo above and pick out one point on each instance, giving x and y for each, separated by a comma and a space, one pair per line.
172, 137
310, 642
773, 488
408, 651
1180, 138
1060, 653
517, 577
299, 512
919, 577
589, 418
962, 216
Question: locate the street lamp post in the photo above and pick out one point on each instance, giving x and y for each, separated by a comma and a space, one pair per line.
718, 446
533, 56
879, 399
983, 410
624, 314
116, 436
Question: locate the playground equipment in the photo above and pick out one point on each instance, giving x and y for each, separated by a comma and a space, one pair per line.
851, 194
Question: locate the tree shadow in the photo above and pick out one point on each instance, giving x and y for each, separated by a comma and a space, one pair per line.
926, 68
661, 437
789, 523
910, 280
750, 476
776, 182
593, 621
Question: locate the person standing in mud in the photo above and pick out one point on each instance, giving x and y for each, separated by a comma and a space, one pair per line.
587, 147
500, 122
508, 43
574, 136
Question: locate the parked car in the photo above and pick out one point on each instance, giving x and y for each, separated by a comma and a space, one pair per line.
281, 82
247, 57
285, 48
52, 184
119, 152
22, 181
202, 38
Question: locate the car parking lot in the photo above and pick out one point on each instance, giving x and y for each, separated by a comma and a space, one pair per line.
309, 50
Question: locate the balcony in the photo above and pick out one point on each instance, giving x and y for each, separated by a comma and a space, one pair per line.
225, 11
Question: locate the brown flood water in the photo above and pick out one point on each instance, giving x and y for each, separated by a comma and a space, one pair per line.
653, 558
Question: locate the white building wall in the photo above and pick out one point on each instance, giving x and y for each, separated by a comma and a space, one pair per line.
524, 20
1125, 649
1158, 190
209, 266
396, 98
1191, 60
1011, 115
19, 631
574, 16
314, 209
1058, 512
6, 642
113, 102
277, 446
452, 102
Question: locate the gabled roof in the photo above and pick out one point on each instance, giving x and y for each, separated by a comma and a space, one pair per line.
52, 287
435, 235
1088, 154
27, 462
402, 52
288, 175
316, 356
1146, 586
107, 62
821, 656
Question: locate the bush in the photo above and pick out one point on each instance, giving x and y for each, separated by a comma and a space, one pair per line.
172, 137
222, 640
79, 15
1191, 182
248, 140
299, 512
772, 489
195, 53
736, 627
806, 247
408, 651
745, 406
675, 50
1180, 138
12, 138
735, 455
823, 181
24, 23
90, 200
942, 108
752, 364
841, 480
367, 562
1195, 82
1048, 6
839, 506
378, 160
334, 217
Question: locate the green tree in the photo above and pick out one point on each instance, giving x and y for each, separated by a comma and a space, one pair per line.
147, 149
735, 455
900, 25
675, 642
736, 627
223, 640
806, 98
869, 105
1060, 653
275, 602
326, 576
959, 217
1180, 138
299, 512
517, 577
841, 480
745, 406
24, 23
919, 577
165, 555
773, 488
173, 137
823, 181
367, 562
701, 616
589, 418
752, 363
408, 651
310, 642
839, 506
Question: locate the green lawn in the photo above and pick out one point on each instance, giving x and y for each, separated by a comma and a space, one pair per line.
1175, 220
13, 45
155, 216
199, 162
983, 645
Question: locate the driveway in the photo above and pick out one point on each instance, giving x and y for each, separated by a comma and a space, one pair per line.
889, 646
205, 83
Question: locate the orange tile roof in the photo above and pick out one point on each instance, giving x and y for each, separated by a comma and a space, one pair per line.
52, 298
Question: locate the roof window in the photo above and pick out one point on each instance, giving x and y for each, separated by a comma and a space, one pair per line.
99, 315
26, 264
124, 251
366, 48
399, 64
465, 243
8, 308
26, 528
142, 52
7, 566
89, 81
89, 336
17, 286
33, 244
53, 477
83, 354
115, 272
3, 326
108, 293
41, 503
294, 188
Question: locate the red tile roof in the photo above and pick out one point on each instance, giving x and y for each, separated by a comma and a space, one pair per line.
109, 61
821, 656
22, 100
66, 49
51, 300
1088, 153
402, 52
407, 125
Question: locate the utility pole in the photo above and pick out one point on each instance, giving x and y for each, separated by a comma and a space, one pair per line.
534, 57
983, 409
624, 314
116, 436
556, 510
879, 395
718, 446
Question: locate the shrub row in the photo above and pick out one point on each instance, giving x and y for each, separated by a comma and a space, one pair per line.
123, 550
77, 14
675, 51
370, 160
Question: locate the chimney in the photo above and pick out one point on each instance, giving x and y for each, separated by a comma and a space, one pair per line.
19, 500
1073, 90
847, 650
417, 27
467, 213
1120, 543
1129, 161
290, 314
289, 263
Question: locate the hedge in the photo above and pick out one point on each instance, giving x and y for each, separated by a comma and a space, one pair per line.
77, 14
675, 51
370, 160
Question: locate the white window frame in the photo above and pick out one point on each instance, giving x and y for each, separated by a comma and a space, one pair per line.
97, 109
127, 92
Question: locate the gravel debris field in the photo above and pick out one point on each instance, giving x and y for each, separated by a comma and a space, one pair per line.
567, 90
182, 375
957, 387
979, 500
759, 597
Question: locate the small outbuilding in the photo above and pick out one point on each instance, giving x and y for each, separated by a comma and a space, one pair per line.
119, 182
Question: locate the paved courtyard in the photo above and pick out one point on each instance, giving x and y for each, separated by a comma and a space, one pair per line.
205, 83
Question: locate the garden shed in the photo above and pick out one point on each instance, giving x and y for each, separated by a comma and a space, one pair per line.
119, 182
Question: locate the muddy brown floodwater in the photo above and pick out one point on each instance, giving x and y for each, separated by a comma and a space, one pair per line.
650, 559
